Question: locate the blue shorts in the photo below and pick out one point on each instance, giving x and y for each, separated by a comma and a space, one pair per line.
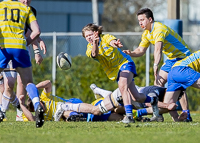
102, 117
130, 66
72, 100
19, 57
167, 66
180, 77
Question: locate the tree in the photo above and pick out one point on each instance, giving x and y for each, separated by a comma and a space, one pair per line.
120, 15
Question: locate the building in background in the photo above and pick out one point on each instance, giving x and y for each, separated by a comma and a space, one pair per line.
64, 15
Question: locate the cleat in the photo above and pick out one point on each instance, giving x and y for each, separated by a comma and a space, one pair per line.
76, 118
128, 120
143, 119
154, 105
19, 115
188, 119
135, 114
39, 116
59, 112
160, 118
2, 116
93, 86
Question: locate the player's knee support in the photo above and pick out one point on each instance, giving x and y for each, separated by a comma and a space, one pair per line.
102, 107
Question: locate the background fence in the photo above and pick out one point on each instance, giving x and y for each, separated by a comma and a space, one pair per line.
74, 44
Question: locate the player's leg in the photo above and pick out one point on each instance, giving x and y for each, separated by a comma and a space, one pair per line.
161, 78
150, 98
8, 94
99, 92
1, 89
125, 79
185, 106
26, 77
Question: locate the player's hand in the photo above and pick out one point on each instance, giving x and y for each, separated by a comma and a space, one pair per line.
21, 99
128, 52
96, 37
38, 59
43, 47
172, 106
117, 43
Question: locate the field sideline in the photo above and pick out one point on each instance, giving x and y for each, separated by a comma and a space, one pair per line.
100, 132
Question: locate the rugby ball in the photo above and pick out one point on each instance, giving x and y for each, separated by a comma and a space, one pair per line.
64, 61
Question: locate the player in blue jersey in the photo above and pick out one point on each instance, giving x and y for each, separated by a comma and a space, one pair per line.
118, 66
164, 39
183, 74
14, 16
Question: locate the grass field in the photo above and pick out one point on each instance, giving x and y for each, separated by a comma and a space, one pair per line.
100, 132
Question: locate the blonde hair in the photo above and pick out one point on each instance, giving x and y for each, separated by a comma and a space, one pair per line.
92, 27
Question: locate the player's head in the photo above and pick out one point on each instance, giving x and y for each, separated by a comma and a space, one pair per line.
25, 2
30, 106
145, 18
147, 12
92, 27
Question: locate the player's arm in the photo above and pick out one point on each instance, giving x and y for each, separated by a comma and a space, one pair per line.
38, 57
46, 85
95, 49
26, 112
42, 45
157, 56
35, 32
116, 43
138, 52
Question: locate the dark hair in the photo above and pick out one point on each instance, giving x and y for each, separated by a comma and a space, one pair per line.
92, 27
147, 12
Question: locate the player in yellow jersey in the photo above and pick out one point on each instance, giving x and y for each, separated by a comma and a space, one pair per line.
48, 101
10, 75
164, 39
183, 74
13, 16
118, 66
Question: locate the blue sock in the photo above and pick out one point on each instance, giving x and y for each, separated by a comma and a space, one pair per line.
141, 112
33, 94
148, 99
188, 113
128, 109
73, 113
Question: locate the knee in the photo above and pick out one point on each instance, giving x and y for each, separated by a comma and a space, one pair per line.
96, 111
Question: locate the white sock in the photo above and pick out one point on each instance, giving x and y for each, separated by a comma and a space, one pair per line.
70, 107
102, 92
5, 102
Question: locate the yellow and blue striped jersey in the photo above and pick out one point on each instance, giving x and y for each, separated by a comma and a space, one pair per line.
173, 45
192, 61
110, 58
13, 18
50, 102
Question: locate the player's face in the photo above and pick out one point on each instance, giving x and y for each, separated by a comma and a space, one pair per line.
144, 22
25, 2
89, 36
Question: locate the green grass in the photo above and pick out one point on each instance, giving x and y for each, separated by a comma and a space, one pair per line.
100, 132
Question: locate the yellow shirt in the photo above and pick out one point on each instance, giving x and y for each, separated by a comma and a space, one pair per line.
192, 61
13, 17
173, 45
110, 58
50, 102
